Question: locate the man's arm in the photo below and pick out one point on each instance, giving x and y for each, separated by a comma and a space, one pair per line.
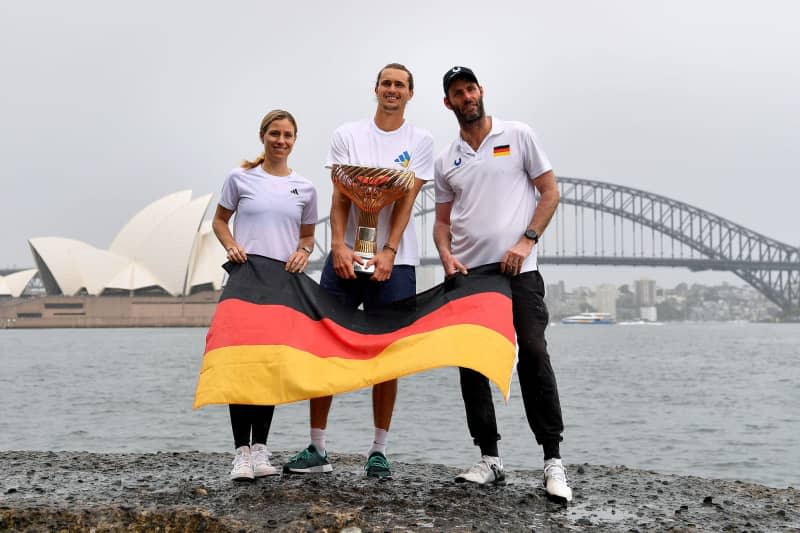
401, 214
549, 198
342, 256
545, 208
442, 238
422, 166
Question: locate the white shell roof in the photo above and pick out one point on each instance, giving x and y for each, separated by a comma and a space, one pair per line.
207, 259
14, 284
165, 244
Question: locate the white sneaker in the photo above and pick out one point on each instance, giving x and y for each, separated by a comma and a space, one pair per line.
242, 465
259, 455
555, 481
488, 470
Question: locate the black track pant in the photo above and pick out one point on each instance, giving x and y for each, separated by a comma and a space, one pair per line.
247, 419
536, 377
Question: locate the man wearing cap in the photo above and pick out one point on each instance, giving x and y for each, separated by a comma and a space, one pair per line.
486, 212
386, 140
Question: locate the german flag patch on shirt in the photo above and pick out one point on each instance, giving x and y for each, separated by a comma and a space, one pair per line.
500, 151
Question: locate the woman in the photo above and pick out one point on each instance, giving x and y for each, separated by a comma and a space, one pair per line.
276, 210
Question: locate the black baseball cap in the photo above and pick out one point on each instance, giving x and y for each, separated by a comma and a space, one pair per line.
455, 73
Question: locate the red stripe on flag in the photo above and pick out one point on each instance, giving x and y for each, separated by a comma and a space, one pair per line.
238, 323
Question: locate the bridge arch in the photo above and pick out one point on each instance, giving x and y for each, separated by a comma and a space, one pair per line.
632, 227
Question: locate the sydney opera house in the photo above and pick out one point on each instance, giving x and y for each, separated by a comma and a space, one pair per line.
14, 284
165, 255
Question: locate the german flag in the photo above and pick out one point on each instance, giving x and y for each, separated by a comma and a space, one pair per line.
278, 337
500, 151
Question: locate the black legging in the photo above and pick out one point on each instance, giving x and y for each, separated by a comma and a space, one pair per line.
247, 418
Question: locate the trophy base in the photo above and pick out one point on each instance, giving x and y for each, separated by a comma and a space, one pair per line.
361, 269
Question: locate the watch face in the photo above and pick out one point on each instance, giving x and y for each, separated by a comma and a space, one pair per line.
532, 235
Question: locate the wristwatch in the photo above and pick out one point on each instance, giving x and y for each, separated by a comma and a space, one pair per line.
532, 235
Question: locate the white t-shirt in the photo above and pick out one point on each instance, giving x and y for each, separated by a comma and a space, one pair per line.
492, 192
269, 210
408, 147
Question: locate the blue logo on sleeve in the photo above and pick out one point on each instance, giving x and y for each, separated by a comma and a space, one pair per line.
457, 162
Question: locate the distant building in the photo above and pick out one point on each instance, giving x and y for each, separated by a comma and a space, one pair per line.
556, 291
645, 293
649, 313
605, 299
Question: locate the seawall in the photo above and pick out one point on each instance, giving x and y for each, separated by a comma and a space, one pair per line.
109, 311
189, 491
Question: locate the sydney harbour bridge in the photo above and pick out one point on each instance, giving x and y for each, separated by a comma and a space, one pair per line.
599, 223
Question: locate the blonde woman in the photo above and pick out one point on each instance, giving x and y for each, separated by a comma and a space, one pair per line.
276, 210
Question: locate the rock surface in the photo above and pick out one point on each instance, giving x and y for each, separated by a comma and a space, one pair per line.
76, 491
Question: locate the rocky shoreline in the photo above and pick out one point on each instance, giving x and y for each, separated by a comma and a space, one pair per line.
189, 491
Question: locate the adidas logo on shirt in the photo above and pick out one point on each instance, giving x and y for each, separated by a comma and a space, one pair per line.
403, 159
295, 192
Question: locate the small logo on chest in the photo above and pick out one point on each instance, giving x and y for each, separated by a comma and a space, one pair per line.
403, 159
502, 151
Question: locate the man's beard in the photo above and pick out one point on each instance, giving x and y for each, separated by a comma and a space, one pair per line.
465, 119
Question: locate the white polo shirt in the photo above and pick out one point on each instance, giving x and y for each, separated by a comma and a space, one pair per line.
492, 192
269, 210
406, 148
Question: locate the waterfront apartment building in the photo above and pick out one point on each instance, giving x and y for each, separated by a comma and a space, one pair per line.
645, 292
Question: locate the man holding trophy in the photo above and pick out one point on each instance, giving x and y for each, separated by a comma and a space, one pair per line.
378, 166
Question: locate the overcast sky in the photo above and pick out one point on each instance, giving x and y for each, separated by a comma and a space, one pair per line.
108, 106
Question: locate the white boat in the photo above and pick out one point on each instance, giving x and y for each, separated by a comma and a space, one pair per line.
589, 318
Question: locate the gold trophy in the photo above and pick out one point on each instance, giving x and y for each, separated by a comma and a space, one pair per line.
370, 189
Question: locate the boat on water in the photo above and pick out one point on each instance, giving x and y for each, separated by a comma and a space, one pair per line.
589, 318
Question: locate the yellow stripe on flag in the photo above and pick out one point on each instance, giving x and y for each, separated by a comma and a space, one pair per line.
275, 374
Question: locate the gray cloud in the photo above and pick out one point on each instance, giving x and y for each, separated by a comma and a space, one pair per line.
107, 107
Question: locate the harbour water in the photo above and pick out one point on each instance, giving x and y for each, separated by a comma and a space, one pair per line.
712, 400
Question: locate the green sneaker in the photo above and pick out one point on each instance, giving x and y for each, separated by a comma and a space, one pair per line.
308, 461
377, 466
